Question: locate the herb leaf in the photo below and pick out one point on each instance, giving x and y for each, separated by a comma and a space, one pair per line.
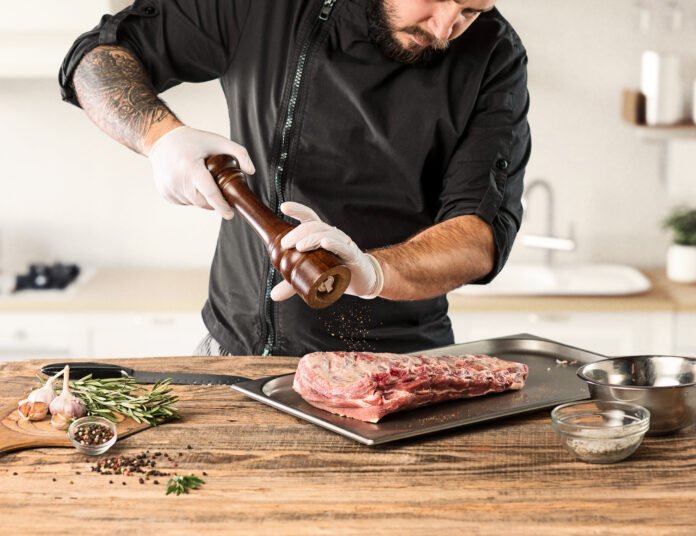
181, 484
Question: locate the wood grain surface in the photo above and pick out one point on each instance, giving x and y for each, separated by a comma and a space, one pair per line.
269, 473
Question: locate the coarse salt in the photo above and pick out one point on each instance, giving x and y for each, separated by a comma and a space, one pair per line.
601, 442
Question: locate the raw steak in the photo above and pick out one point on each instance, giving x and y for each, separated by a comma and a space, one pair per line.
368, 386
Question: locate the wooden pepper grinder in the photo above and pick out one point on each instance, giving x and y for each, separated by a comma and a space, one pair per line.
318, 276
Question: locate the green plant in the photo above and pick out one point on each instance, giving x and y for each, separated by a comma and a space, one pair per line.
682, 222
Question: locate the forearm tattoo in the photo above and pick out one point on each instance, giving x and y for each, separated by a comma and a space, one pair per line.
116, 93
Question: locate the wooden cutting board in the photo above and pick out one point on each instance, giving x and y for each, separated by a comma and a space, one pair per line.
18, 434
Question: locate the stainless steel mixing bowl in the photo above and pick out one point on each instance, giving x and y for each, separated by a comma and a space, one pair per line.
665, 385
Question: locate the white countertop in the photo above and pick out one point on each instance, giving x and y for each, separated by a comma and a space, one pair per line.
149, 290
118, 290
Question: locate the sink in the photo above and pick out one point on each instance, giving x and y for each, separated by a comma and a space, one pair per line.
562, 280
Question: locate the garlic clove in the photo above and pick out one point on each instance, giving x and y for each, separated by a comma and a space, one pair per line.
59, 421
32, 411
24, 408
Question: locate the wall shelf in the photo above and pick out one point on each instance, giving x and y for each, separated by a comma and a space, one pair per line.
667, 133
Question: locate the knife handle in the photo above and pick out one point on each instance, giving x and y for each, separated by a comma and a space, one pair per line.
97, 370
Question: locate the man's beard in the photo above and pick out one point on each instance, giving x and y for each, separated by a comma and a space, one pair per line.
382, 32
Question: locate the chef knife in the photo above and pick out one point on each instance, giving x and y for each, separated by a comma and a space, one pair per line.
106, 370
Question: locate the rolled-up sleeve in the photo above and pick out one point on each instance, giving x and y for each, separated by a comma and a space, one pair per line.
485, 175
176, 40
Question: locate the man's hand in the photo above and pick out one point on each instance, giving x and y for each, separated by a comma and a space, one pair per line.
178, 164
366, 274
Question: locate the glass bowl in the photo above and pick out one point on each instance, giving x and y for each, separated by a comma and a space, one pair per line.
80, 426
599, 431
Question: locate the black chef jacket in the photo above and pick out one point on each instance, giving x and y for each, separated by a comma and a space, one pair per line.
381, 150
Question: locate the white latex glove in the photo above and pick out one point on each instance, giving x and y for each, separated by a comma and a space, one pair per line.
178, 165
366, 279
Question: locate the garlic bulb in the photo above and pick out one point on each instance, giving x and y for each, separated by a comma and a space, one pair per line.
35, 406
66, 406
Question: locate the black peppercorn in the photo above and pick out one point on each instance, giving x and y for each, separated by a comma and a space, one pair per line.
93, 434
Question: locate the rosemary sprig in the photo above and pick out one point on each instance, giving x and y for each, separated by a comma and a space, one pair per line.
181, 484
106, 396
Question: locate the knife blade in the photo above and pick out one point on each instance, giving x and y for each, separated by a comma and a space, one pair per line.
107, 370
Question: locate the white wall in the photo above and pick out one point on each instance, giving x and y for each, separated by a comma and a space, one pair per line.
70, 193
607, 183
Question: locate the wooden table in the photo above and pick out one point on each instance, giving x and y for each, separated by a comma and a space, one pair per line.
269, 473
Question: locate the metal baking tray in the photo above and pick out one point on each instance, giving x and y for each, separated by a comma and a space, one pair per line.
549, 383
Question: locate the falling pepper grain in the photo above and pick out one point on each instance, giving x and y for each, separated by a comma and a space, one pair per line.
351, 326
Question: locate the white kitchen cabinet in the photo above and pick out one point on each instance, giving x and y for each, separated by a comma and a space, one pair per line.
685, 334
98, 335
615, 333
145, 335
151, 334
36, 335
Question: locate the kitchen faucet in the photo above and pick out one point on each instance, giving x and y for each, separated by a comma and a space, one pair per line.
547, 241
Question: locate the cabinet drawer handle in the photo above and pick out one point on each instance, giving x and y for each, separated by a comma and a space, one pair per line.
548, 317
20, 335
163, 321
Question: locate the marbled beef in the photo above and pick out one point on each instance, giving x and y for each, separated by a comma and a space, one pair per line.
368, 386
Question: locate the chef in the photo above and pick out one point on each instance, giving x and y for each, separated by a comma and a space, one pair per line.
393, 131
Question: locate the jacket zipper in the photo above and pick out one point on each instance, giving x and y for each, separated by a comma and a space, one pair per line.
324, 14
326, 9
